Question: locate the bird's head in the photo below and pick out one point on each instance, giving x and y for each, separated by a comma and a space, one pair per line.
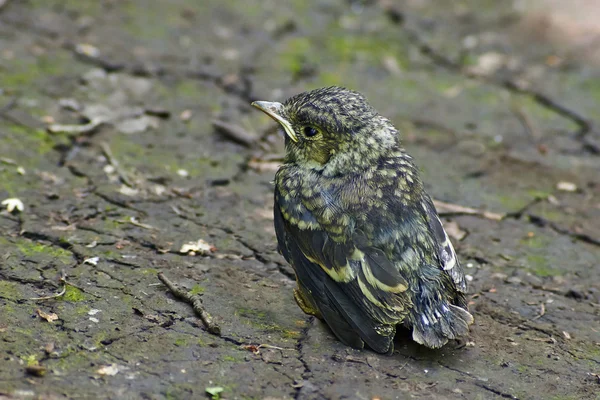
332, 127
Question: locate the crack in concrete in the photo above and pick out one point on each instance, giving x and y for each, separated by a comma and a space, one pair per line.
496, 391
582, 237
307, 373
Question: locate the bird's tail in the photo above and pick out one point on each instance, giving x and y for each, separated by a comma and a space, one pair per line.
433, 324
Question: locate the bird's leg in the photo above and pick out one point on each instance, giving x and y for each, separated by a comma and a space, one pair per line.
304, 302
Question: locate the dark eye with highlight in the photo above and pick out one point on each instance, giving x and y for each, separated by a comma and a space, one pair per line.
309, 131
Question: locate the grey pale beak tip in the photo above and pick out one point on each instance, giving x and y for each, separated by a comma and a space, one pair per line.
274, 110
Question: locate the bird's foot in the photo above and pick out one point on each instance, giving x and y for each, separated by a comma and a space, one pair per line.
305, 304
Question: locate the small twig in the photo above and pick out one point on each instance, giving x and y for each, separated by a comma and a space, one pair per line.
65, 282
455, 209
54, 296
133, 221
196, 303
234, 132
112, 161
76, 129
8, 161
268, 346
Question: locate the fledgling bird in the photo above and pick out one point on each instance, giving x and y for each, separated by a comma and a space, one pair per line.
354, 221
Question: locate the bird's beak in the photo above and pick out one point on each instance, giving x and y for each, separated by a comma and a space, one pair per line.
274, 110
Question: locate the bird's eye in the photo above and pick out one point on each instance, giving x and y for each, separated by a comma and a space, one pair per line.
309, 131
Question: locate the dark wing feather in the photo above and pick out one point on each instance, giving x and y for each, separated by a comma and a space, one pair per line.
339, 303
312, 279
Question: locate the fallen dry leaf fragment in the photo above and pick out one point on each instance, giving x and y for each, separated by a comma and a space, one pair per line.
50, 317
199, 247
13, 204
87, 49
214, 391
185, 115
110, 370
566, 186
128, 191
91, 260
252, 348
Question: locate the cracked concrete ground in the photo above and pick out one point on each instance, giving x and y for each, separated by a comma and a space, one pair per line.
107, 137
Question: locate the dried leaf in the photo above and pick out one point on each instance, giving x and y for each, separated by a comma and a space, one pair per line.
214, 391
50, 317
111, 370
91, 260
566, 186
199, 247
13, 204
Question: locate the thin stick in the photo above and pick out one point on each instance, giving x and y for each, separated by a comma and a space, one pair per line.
196, 303
76, 129
54, 296
454, 209
112, 161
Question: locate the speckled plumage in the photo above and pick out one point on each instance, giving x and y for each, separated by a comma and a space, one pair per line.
363, 236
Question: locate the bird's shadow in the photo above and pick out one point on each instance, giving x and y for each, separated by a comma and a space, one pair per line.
406, 347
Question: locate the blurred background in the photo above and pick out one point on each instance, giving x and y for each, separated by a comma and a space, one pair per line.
128, 147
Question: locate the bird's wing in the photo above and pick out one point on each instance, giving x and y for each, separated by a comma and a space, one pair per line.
358, 291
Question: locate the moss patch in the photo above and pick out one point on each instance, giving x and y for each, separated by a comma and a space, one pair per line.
73, 294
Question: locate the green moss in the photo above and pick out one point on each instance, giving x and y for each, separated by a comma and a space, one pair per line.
260, 320
535, 242
539, 194
20, 139
73, 294
29, 248
25, 73
522, 369
197, 289
348, 47
250, 313
511, 202
187, 88
81, 310
180, 342
9, 290
30, 360
150, 271
539, 265
551, 213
